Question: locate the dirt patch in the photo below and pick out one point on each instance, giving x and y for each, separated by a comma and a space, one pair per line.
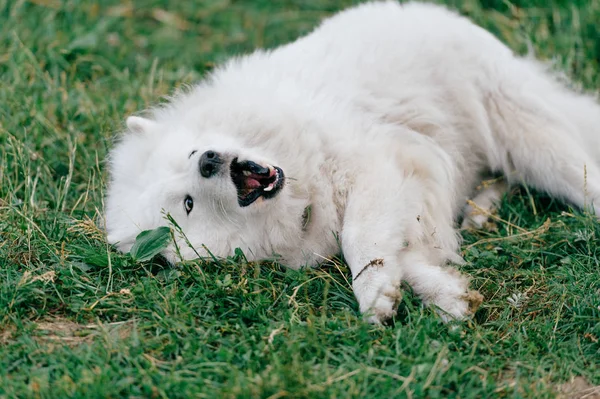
6, 335
66, 332
578, 388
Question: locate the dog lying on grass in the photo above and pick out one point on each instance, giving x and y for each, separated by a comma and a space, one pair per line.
371, 132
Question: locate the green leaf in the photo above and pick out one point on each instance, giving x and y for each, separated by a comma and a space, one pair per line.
149, 243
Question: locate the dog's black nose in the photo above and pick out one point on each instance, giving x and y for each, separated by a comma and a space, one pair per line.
210, 162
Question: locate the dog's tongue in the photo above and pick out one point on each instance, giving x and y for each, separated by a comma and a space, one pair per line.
251, 182
254, 180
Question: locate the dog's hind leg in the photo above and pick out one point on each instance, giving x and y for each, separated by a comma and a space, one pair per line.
477, 212
547, 136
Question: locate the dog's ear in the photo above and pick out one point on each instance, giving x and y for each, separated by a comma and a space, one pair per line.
139, 125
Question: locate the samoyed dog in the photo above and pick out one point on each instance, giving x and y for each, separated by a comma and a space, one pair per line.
366, 136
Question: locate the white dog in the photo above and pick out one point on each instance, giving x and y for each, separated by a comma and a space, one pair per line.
369, 133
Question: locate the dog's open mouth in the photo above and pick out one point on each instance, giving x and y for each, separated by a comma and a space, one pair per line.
254, 181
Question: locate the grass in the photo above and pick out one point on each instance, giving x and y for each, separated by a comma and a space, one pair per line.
78, 319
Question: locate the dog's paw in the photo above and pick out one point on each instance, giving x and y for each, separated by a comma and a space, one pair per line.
458, 307
478, 211
377, 294
447, 291
475, 221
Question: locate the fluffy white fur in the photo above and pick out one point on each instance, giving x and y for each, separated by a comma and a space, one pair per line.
384, 120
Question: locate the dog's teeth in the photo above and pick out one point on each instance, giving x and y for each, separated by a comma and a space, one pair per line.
269, 188
246, 173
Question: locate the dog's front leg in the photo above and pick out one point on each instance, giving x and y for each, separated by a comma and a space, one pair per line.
396, 228
376, 220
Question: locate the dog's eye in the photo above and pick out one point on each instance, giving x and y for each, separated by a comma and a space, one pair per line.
188, 203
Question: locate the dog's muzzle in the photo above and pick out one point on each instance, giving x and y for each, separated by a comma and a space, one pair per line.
254, 181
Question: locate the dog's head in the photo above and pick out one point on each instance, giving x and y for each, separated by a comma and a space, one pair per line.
222, 191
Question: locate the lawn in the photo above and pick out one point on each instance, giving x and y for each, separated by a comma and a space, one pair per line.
78, 319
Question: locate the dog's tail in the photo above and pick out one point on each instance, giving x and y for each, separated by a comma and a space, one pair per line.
547, 134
